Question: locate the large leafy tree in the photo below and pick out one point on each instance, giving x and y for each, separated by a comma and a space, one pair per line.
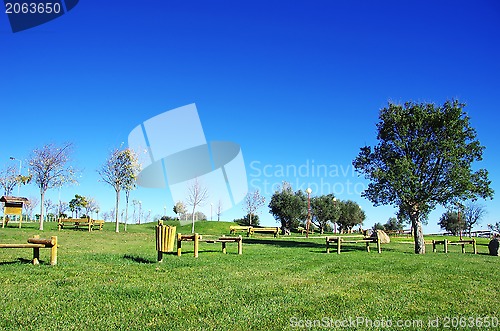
423, 159
120, 171
325, 208
351, 215
50, 168
288, 207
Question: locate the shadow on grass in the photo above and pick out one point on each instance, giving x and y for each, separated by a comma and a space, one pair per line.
284, 243
138, 259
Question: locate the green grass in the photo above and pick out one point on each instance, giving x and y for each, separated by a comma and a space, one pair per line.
110, 281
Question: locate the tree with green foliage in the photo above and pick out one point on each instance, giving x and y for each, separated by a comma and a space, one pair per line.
50, 168
77, 204
120, 171
288, 207
246, 220
423, 159
378, 226
350, 215
394, 224
180, 209
324, 209
451, 222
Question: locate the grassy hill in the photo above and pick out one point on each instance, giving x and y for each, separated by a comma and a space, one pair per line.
106, 280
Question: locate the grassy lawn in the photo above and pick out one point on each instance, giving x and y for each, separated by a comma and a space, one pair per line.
110, 281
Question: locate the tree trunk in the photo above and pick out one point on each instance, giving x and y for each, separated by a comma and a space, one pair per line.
192, 215
117, 223
42, 196
418, 234
250, 218
127, 194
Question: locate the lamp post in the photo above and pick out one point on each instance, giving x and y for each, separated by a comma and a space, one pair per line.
211, 206
308, 211
140, 205
20, 170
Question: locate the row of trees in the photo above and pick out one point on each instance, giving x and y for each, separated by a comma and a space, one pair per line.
290, 208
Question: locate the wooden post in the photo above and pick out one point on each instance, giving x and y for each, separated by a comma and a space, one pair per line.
196, 243
240, 245
379, 247
36, 253
3, 220
327, 245
446, 245
474, 247
224, 247
368, 246
338, 244
179, 244
434, 246
53, 251
463, 248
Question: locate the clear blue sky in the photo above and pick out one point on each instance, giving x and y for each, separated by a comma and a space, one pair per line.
295, 83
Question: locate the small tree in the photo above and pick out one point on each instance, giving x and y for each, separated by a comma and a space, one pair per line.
351, 215
76, 204
393, 224
197, 196
450, 222
30, 205
423, 159
324, 210
50, 168
288, 207
8, 179
120, 171
180, 209
253, 202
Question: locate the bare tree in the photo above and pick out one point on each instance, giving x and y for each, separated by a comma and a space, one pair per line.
8, 179
30, 205
49, 206
473, 212
91, 205
253, 201
120, 171
197, 196
50, 168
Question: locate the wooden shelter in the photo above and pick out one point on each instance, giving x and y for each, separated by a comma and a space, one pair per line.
12, 206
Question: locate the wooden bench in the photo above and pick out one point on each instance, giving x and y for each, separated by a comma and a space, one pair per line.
447, 242
236, 228
196, 238
77, 223
36, 243
352, 240
273, 230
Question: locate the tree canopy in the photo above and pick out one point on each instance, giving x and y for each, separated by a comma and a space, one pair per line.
423, 158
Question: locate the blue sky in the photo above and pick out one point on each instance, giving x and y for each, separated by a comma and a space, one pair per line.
296, 84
